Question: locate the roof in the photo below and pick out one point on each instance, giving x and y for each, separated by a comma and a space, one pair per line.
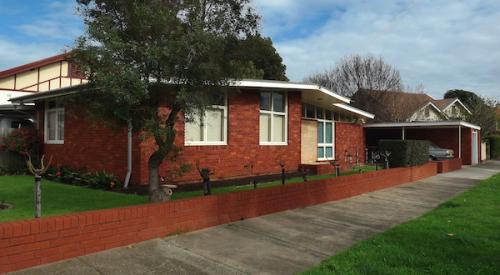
390, 105
275, 84
310, 91
423, 124
444, 103
32, 65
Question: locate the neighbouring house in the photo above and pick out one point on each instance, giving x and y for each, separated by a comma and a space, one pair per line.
43, 75
389, 106
400, 115
252, 128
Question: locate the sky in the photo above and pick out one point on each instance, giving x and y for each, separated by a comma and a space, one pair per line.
442, 44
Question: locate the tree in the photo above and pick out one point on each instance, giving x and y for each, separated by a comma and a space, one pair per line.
262, 56
355, 72
150, 63
482, 109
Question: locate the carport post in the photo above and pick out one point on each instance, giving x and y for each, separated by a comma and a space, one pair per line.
403, 134
459, 141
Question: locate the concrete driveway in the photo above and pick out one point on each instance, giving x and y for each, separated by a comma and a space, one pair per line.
281, 243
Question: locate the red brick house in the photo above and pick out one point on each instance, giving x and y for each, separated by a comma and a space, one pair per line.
249, 132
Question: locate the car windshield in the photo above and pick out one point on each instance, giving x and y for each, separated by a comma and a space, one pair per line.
432, 145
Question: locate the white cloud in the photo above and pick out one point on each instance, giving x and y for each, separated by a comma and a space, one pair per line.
442, 44
61, 22
15, 54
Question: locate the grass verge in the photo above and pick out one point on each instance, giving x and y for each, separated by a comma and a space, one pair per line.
461, 236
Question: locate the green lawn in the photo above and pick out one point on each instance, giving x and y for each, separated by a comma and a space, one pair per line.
461, 236
57, 198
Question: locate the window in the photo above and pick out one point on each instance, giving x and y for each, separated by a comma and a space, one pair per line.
273, 118
325, 139
54, 122
454, 111
428, 111
211, 127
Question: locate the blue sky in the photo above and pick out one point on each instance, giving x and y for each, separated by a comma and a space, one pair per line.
442, 44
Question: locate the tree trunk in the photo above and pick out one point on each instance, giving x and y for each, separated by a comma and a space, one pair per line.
156, 193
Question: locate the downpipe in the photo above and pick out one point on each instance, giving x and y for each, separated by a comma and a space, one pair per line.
129, 155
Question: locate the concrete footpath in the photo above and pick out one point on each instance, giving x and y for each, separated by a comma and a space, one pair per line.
281, 243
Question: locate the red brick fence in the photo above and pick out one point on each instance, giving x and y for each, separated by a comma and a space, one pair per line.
445, 166
29, 243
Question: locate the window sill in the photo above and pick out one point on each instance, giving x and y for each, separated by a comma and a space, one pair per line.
54, 142
273, 144
194, 143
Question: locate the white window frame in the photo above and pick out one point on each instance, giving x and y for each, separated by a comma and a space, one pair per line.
205, 129
57, 110
272, 113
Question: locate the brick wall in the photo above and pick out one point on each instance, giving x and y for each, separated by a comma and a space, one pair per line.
445, 166
25, 244
94, 146
89, 144
242, 147
350, 138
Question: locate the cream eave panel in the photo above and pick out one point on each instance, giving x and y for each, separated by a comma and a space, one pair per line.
65, 68
65, 82
26, 79
54, 84
50, 71
7, 83
43, 87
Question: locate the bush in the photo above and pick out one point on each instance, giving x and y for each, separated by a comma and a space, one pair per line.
405, 153
100, 179
22, 141
495, 147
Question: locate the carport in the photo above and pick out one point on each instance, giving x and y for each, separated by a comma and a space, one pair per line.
464, 138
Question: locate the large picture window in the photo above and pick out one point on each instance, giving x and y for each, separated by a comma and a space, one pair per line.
54, 122
209, 128
273, 128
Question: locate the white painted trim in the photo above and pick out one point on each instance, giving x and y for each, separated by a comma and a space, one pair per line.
271, 143
271, 84
460, 102
422, 124
425, 106
354, 110
205, 143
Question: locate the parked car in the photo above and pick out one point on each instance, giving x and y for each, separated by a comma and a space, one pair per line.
436, 152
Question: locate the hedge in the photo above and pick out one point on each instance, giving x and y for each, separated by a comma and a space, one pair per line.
495, 147
405, 153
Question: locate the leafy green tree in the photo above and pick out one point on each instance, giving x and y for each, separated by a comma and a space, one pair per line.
260, 56
152, 62
482, 109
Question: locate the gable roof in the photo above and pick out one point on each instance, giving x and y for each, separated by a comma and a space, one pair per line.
32, 65
390, 105
443, 104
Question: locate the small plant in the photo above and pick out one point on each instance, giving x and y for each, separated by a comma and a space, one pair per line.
22, 141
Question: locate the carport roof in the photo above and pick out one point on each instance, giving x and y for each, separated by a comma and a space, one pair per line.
423, 124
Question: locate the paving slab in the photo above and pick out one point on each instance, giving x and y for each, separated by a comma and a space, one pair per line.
280, 243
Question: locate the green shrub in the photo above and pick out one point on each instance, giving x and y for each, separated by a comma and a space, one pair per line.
495, 147
405, 153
